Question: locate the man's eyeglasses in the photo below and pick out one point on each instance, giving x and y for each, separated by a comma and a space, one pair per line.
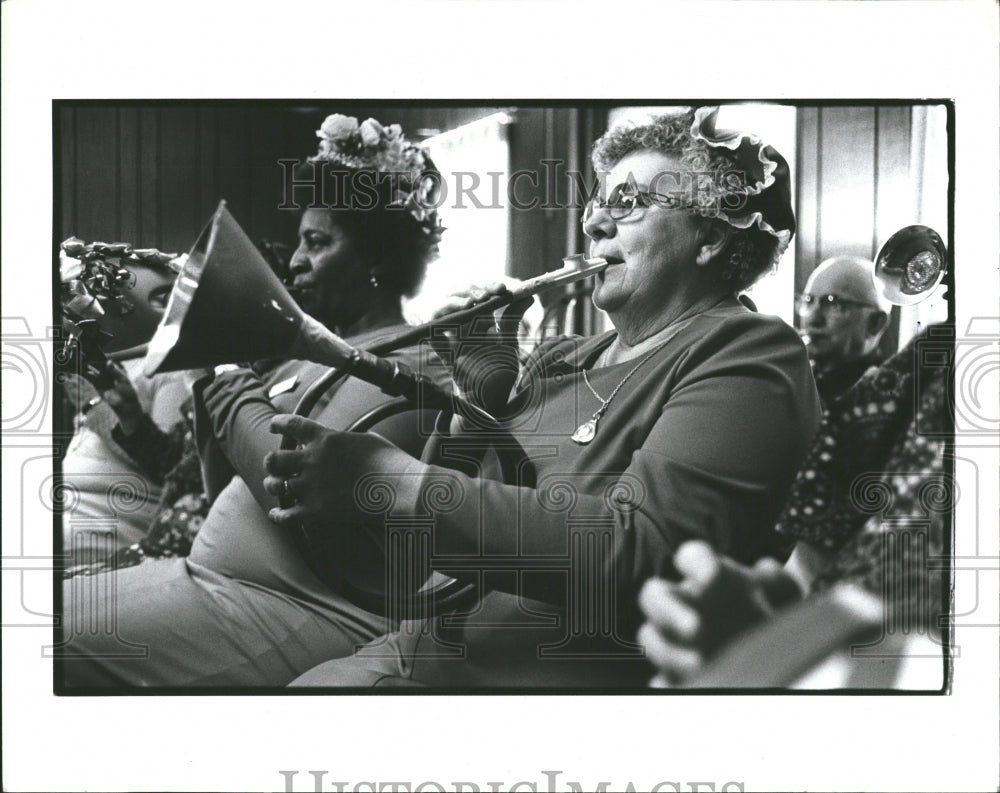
831, 305
624, 199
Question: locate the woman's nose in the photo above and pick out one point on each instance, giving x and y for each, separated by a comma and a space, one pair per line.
597, 223
300, 262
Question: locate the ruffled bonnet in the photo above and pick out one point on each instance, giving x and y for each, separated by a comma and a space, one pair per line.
763, 196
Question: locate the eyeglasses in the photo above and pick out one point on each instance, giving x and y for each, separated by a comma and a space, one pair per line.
624, 199
831, 305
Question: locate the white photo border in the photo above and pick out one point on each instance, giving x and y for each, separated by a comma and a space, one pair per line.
56, 49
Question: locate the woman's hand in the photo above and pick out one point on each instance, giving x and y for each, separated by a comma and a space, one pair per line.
322, 475
689, 621
483, 353
122, 399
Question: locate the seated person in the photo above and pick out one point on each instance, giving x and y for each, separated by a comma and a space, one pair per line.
842, 321
869, 507
129, 428
687, 420
116, 491
245, 607
168, 459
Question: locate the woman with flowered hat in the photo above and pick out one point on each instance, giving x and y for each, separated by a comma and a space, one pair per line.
688, 420
245, 607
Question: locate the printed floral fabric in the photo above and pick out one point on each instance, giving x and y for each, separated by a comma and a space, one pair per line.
876, 490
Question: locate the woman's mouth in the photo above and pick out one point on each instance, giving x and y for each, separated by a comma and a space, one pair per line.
612, 261
302, 294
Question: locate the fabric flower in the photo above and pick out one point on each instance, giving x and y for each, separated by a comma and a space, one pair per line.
384, 149
73, 247
371, 132
70, 268
391, 157
338, 127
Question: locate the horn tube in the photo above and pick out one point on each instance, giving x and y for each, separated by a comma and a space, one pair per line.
575, 268
227, 305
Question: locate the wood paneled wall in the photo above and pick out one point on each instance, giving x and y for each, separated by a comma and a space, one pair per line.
549, 142
152, 174
853, 171
854, 186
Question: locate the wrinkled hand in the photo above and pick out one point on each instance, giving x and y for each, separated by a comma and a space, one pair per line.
123, 399
483, 352
689, 621
323, 473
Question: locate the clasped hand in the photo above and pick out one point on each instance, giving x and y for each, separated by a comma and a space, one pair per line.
322, 475
688, 621
483, 352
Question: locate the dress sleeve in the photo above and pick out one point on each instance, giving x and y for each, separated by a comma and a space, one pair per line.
725, 447
238, 412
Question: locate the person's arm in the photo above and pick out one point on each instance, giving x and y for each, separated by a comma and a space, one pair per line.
137, 432
169, 393
237, 411
726, 444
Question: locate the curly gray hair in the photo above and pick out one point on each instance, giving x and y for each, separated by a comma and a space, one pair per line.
749, 252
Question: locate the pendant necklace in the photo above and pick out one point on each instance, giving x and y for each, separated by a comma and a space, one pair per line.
586, 432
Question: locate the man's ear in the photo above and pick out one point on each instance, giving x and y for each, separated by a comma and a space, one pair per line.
877, 323
714, 237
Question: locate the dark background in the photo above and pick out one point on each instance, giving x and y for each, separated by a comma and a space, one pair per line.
152, 173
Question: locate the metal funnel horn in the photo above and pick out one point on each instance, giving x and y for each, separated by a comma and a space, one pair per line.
910, 265
226, 306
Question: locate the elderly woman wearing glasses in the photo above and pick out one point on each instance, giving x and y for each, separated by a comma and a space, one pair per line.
688, 420
842, 318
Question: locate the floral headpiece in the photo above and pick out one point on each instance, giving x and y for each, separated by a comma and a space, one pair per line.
95, 277
370, 146
106, 294
764, 194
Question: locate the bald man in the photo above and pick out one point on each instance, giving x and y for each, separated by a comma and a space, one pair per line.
842, 320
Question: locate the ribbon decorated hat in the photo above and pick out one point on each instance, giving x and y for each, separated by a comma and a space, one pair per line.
762, 193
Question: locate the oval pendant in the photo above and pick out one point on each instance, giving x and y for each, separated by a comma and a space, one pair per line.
585, 432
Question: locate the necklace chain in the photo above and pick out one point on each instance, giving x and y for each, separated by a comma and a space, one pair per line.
587, 431
605, 402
